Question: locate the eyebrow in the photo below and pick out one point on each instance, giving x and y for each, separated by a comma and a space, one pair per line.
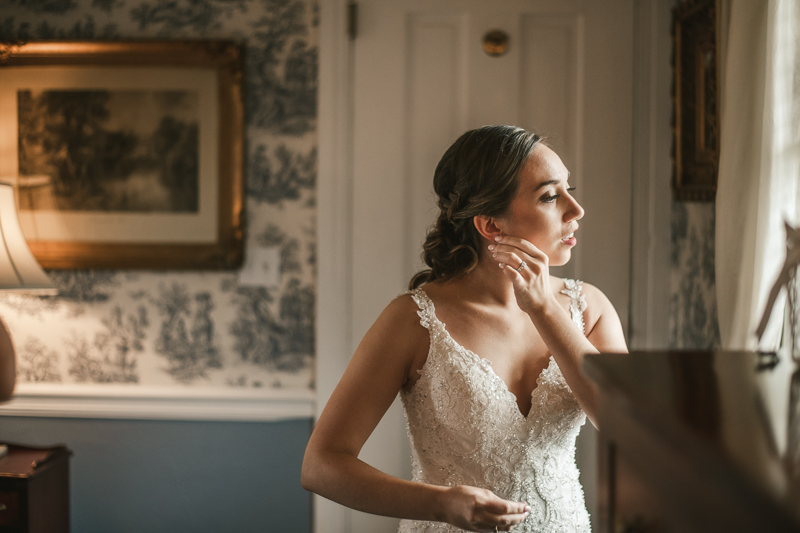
546, 183
550, 182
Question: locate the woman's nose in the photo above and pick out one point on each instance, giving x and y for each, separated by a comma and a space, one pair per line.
574, 211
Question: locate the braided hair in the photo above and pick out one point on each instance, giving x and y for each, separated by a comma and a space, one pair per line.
477, 175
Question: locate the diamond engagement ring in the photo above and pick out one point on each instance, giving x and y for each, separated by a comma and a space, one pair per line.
523, 265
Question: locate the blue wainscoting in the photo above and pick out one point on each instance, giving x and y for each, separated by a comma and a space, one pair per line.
135, 476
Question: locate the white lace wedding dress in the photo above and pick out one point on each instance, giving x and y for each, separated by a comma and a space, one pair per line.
466, 429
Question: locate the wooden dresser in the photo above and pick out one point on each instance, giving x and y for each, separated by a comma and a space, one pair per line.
34, 490
698, 442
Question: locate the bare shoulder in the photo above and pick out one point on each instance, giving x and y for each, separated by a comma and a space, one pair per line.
603, 326
596, 298
597, 304
397, 339
401, 315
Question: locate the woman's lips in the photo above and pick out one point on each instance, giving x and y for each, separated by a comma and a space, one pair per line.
569, 240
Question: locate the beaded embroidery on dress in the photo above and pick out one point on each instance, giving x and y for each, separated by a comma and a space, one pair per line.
466, 429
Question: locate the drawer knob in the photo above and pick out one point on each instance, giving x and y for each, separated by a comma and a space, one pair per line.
3, 507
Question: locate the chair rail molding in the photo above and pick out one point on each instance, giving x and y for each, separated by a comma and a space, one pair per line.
155, 403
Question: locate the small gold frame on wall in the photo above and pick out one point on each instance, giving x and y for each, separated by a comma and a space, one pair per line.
695, 101
158, 151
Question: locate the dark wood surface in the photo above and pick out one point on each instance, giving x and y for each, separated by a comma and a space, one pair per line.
34, 490
697, 441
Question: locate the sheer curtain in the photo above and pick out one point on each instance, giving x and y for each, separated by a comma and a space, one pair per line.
759, 165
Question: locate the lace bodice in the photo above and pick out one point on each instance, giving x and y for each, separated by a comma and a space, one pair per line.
466, 429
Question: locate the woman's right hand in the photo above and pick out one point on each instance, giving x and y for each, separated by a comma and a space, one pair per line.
477, 509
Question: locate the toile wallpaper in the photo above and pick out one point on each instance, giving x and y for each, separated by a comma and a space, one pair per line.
194, 329
693, 302
200, 329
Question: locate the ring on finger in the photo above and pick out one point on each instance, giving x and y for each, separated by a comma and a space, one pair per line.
522, 266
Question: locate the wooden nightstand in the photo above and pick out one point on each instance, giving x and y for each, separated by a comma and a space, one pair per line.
34, 490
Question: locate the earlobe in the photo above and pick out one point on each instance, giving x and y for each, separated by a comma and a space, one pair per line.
487, 227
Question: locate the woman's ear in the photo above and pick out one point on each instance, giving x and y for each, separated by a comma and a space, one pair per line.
487, 227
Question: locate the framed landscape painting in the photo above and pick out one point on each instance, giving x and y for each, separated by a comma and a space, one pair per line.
125, 154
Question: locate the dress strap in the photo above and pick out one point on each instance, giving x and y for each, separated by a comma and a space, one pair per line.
577, 304
427, 313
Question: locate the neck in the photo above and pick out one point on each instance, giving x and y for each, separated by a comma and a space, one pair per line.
486, 283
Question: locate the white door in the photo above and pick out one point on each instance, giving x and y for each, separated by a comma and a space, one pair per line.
419, 78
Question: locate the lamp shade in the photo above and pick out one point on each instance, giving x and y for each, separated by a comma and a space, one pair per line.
19, 271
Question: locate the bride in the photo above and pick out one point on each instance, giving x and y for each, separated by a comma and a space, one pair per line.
485, 351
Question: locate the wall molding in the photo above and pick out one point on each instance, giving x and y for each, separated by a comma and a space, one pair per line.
648, 326
155, 403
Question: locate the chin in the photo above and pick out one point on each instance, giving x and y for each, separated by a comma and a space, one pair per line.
560, 259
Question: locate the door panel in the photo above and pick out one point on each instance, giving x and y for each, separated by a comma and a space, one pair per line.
437, 95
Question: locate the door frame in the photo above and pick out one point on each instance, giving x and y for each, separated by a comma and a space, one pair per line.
651, 194
334, 307
650, 215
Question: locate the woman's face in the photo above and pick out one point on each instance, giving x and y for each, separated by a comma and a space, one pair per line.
544, 212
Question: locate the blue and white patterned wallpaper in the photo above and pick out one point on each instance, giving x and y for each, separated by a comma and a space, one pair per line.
693, 301
194, 328
202, 328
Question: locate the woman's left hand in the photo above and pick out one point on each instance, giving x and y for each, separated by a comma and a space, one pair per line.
531, 281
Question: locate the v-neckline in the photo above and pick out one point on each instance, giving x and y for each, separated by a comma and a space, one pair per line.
488, 364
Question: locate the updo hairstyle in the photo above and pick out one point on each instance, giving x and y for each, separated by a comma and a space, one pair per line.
477, 175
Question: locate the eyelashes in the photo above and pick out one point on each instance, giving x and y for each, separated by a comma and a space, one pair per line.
552, 198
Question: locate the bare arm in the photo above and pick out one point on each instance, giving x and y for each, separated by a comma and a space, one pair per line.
331, 468
605, 333
568, 346
8, 370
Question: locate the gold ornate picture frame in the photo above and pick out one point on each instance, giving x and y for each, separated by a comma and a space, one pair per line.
696, 103
126, 155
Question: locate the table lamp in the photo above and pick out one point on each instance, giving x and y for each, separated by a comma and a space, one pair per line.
19, 273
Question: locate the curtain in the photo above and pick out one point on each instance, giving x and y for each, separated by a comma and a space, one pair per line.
759, 165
